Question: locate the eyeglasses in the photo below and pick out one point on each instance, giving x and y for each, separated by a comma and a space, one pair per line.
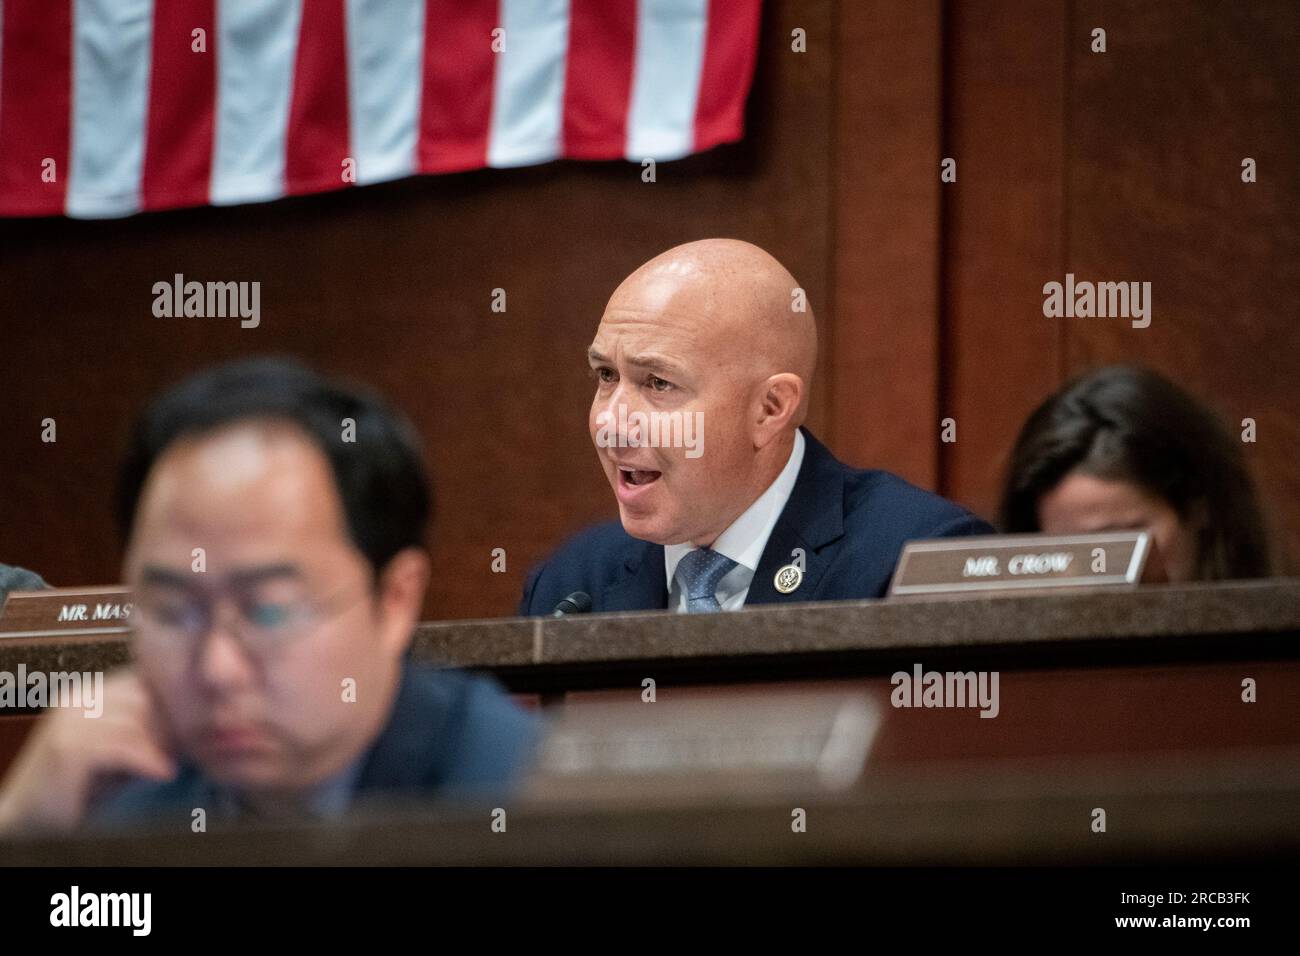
172, 624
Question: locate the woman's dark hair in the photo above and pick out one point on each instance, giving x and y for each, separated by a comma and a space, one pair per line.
379, 471
1124, 423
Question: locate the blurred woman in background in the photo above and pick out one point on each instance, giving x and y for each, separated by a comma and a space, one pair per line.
1123, 449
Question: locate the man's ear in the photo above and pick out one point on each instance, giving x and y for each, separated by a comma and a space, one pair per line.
779, 398
401, 596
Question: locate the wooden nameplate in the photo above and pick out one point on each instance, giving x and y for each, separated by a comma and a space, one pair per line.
1025, 562
66, 612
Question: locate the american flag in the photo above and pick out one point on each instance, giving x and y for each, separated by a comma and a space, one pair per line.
111, 107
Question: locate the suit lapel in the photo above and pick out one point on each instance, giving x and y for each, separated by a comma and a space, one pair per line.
643, 585
813, 518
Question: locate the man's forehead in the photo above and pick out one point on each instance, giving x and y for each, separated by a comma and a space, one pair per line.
672, 289
680, 322
241, 454
644, 343
246, 479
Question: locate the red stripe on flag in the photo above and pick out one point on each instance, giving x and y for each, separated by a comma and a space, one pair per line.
598, 78
729, 54
316, 143
459, 71
182, 96
35, 106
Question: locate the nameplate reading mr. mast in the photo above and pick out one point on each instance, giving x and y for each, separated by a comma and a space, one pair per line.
66, 612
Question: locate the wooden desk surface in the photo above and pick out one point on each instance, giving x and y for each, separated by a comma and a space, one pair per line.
1238, 809
1147, 625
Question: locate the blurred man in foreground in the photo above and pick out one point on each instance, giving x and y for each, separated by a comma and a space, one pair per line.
703, 363
274, 523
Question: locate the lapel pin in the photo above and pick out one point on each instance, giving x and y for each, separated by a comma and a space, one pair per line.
788, 578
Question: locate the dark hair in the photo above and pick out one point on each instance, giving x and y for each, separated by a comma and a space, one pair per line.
1130, 424
380, 475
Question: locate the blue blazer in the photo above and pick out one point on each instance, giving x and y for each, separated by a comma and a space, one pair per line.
449, 734
851, 525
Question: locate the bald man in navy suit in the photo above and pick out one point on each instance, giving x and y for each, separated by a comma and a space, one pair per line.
703, 368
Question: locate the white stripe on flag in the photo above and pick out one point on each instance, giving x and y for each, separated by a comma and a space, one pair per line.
670, 41
385, 81
112, 42
528, 89
257, 44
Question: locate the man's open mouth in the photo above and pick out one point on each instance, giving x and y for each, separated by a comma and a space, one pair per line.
635, 477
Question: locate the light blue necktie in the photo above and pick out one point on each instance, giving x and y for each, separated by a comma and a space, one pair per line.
700, 571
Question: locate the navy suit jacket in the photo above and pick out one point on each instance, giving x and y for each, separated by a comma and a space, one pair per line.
851, 525
449, 734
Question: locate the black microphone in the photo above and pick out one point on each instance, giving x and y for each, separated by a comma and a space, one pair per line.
579, 602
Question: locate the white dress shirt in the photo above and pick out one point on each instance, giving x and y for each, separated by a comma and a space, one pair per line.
743, 541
